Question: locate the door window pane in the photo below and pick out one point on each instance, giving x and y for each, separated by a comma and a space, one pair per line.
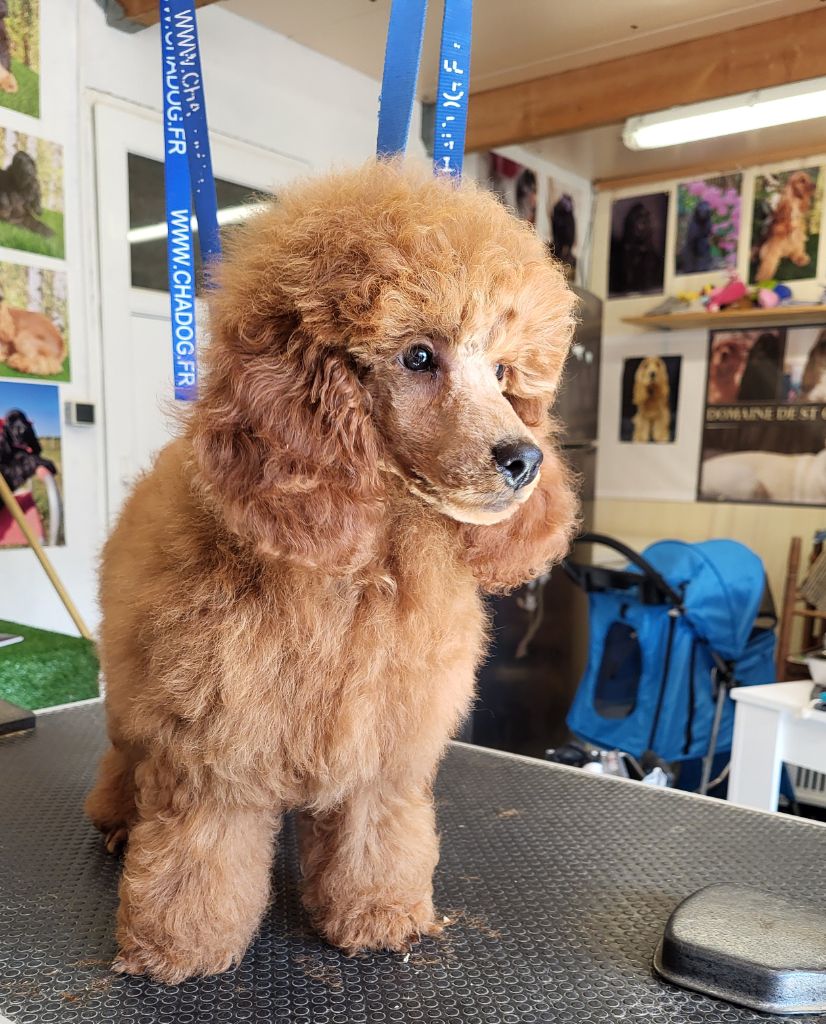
147, 221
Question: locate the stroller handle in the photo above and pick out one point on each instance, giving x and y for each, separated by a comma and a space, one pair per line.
649, 571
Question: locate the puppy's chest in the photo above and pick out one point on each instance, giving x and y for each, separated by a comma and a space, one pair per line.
389, 664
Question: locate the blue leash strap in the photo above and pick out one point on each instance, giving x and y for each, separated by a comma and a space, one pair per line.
454, 88
180, 253
191, 82
401, 69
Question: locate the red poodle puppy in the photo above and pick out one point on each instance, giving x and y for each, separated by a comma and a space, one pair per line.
291, 596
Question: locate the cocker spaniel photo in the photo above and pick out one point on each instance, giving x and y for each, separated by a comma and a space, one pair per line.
727, 363
8, 83
787, 231
292, 610
20, 195
651, 399
30, 342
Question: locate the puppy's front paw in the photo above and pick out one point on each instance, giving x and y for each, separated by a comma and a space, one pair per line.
380, 927
168, 962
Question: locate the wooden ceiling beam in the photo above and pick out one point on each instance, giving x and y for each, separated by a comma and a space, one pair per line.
145, 12
770, 53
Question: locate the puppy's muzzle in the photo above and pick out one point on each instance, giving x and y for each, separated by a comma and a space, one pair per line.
518, 462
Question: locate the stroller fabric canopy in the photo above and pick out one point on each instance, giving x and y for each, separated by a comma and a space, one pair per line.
650, 683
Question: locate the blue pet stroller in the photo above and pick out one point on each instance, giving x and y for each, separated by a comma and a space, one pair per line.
670, 635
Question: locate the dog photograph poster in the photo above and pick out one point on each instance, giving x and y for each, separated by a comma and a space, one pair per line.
34, 322
650, 393
786, 225
31, 194
20, 56
765, 421
569, 213
708, 224
637, 260
514, 184
31, 460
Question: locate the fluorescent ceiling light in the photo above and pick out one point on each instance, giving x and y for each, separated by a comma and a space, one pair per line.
766, 108
228, 215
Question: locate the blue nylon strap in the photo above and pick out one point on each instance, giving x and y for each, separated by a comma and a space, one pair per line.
453, 89
180, 254
187, 55
401, 69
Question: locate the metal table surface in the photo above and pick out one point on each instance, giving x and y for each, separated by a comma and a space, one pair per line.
559, 885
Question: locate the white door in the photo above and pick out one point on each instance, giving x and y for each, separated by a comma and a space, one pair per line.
135, 323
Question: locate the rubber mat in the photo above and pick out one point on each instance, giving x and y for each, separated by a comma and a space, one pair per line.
558, 885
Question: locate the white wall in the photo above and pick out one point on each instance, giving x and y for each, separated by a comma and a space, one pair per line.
654, 497
261, 88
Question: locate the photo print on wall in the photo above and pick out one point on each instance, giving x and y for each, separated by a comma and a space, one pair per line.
34, 323
31, 193
20, 56
31, 460
708, 225
637, 259
786, 225
568, 218
650, 395
514, 184
765, 420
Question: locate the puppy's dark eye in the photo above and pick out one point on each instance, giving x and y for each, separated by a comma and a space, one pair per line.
419, 359
500, 371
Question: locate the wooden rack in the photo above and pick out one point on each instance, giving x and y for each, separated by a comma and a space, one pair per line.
800, 316
814, 620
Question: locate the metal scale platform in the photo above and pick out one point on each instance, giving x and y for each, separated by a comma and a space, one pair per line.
559, 885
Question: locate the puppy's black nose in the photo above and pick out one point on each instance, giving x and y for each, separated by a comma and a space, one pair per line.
517, 461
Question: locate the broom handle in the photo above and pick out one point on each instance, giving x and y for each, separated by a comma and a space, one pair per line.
10, 502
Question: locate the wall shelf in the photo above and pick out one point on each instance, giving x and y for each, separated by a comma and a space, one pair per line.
792, 316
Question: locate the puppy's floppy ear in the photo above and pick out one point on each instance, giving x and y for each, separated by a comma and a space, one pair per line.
508, 554
639, 395
284, 442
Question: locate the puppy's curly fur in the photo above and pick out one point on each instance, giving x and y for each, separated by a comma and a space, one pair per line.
291, 597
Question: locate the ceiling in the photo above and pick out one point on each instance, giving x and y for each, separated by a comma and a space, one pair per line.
513, 40
599, 153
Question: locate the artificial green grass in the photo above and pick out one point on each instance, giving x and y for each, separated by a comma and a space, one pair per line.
65, 373
15, 237
27, 98
46, 668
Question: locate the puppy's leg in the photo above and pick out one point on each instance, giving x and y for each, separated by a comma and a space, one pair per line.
641, 429
797, 253
368, 868
769, 260
195, 880
661, 428
111, 804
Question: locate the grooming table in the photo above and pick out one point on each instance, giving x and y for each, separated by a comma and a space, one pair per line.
558, 883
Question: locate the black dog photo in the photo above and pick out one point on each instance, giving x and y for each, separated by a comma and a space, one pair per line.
31, 194
637, 261
708, 224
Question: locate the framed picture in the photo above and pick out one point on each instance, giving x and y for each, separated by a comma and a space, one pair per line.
31, 461
20, 56
34, 323
31, 194
650, 394
637, 258
785, 229
708, 224
765, 420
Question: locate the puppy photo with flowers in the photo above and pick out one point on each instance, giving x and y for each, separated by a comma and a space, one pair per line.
650, 388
